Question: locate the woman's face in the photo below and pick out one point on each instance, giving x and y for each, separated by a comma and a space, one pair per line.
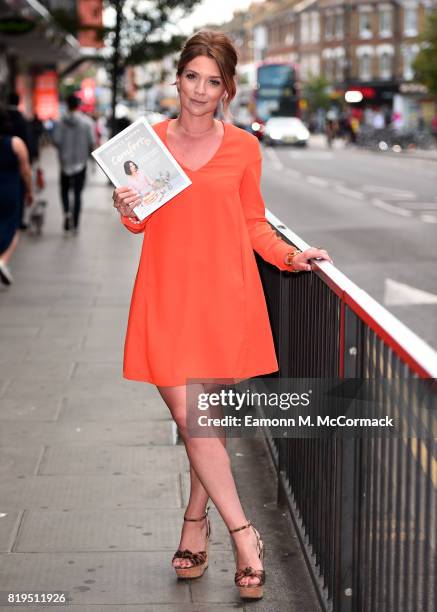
200, 86
133, 168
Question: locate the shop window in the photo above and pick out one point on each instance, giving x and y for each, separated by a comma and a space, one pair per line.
385, 22
365, 24
315, 26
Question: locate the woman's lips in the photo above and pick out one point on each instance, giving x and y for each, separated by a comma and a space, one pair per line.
198, 101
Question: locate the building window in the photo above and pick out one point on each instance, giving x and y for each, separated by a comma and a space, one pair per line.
409, 53
385, 21
329, 26
385, 66
365, 66
410, 20
329, 69
315, 26
365, 24
339, 73
339, 25
304, 27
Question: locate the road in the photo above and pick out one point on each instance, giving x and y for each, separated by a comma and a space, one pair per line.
376, 214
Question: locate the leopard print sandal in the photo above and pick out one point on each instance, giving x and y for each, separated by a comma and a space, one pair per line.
199, 560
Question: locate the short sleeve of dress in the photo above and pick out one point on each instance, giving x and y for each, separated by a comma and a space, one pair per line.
264, 239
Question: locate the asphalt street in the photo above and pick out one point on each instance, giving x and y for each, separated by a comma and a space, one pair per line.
376, 214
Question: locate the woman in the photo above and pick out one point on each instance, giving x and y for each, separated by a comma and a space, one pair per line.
198, 308
15, 175
139, 182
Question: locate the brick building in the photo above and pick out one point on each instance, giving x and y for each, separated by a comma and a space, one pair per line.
369, 45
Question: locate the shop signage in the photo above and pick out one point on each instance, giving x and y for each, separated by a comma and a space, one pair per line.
413, 88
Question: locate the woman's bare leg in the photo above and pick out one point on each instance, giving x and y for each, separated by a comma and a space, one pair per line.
6, 255
210, 461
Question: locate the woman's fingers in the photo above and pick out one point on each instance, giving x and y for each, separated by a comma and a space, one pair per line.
125, 199
316, 253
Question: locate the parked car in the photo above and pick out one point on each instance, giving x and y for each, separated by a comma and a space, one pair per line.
285, 130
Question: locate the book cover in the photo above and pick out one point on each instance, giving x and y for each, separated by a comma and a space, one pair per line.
137, 158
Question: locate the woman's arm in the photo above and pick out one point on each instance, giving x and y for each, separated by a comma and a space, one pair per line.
264, 239
20, 150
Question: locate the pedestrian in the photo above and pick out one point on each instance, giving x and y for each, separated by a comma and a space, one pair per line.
19, 126
74, 139
14, 171
198, 308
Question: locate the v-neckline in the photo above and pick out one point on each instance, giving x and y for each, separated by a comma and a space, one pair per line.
186, 168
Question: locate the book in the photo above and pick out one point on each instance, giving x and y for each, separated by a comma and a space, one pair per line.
137, 158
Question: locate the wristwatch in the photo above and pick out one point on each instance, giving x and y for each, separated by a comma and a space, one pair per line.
289, 259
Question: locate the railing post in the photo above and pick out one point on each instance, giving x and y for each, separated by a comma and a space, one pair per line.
283, 358
347, 475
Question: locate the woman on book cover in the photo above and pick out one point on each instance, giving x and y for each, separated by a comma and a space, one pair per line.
198, 309
138, 180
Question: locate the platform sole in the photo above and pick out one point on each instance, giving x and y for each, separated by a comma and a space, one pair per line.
191, 572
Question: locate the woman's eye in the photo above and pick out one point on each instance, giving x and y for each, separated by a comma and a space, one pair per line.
190, 75
215, 83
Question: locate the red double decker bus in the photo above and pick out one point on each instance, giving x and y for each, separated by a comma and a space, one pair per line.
276, 93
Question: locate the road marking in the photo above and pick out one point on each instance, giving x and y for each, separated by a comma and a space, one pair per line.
400, 294
273, 157
389, 191
349, 192
310, 155
315, 180
294, 173
428, 218
390, 208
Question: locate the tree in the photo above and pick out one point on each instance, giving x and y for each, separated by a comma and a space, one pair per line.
316, 92
425, 64
138, 34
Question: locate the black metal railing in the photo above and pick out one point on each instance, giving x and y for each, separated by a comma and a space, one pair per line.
364, 507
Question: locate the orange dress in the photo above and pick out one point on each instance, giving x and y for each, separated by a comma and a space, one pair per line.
198, 308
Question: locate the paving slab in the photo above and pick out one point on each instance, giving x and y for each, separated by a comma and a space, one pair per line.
9, 523
80, 433
107, 459
97, 578
14, 461
177, 607
107, 409
122, 529
92, 491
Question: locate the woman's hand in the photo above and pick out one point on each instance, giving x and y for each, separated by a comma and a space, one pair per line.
28, 198
125, 200
300, 261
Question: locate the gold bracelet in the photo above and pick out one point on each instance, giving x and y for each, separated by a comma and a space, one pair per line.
289, 259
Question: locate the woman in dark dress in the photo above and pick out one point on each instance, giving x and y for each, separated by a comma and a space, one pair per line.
15, 175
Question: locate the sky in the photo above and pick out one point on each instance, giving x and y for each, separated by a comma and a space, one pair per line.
212, 11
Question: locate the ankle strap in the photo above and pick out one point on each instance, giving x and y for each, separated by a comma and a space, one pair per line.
240, 528
198, 519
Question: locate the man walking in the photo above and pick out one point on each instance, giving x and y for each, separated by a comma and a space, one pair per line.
74, 140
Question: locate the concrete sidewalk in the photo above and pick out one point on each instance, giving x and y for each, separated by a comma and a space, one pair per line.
92, 485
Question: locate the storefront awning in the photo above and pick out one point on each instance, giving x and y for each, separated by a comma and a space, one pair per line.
28, 31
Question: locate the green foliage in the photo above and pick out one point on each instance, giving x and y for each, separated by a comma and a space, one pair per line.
425, 65
142, 36
316, 92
